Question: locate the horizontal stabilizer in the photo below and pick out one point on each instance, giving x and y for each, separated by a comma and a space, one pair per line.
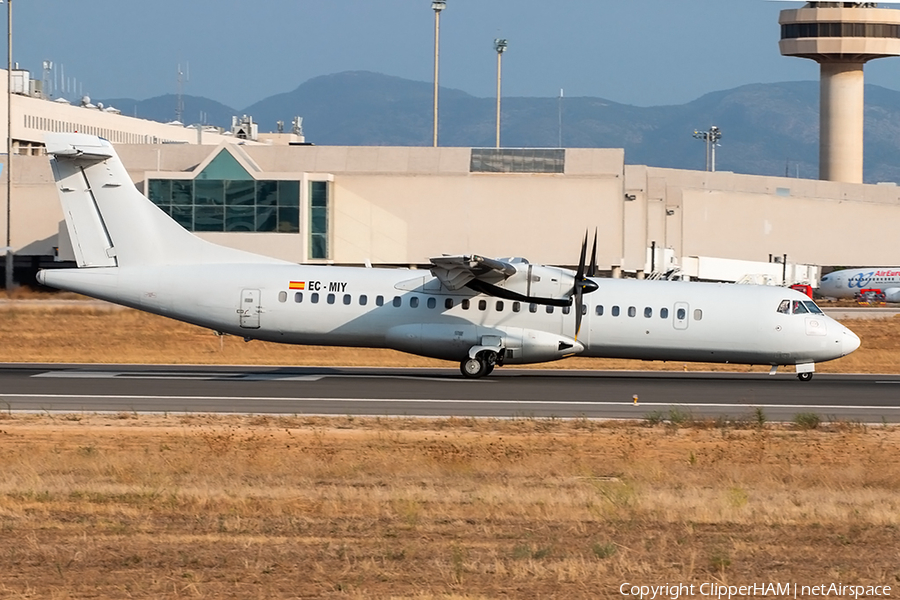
79, 145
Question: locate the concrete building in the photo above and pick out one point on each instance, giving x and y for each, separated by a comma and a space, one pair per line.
33, 234
401, 205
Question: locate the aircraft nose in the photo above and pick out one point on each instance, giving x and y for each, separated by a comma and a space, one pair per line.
849, 342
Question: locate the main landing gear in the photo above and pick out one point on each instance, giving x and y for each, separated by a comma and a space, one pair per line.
483, 363
804, 376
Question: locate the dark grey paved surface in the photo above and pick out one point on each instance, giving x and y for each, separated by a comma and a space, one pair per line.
441, 392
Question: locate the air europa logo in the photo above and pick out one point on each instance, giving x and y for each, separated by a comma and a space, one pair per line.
861, 280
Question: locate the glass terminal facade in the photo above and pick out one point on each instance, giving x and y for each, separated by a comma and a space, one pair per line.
225, 197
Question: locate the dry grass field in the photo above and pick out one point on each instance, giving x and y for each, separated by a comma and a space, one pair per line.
137, 506
33, 333
127, 506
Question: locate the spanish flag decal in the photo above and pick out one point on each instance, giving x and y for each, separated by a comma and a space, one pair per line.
297, 285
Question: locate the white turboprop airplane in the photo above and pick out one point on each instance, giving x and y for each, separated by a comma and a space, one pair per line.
848, 283
478, 311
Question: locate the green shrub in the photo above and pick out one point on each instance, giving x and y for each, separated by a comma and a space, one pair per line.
807, 420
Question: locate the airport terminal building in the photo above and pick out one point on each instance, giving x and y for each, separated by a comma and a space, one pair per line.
398, 206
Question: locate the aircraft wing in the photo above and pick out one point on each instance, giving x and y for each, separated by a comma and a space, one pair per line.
454, 272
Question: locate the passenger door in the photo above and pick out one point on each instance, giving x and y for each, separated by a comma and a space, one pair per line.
249, 309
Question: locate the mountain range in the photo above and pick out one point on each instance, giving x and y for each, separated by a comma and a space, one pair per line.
767, 129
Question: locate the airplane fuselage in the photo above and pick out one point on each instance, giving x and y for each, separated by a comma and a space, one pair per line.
409, 310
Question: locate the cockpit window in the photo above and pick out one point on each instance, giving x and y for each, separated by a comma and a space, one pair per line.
785, 307
812, 307
798, 308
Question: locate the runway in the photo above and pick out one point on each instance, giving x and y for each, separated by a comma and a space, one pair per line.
442, 392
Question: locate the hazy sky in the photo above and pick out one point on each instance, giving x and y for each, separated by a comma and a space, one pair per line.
643, 52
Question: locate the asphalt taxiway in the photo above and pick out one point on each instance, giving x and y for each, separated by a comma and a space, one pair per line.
442, 392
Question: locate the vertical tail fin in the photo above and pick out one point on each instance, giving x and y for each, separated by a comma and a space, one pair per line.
110, 222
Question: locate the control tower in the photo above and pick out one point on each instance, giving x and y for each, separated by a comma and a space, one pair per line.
841, 37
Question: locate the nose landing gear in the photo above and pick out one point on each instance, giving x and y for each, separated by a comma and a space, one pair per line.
805, 371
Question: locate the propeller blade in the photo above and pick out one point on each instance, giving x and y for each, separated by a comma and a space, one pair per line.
592, 271
579, 274
578, 310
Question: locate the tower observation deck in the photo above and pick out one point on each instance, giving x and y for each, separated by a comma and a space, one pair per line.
841, 37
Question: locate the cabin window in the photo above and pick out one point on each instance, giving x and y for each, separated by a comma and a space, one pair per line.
282, 296
632, 311
615, 311
812, 307
431, 303
549, 309
482, 305
330, 298
314, 297
648, 312
448, 303
532, 308
363, 300
517, 306
298, 297
698, 314
499, 306
465, 304
347, 299
599, 310
664, 313
583, 309
379, 300
414, 302
397, 301
785, 307
566, 309
681, 314
799, 309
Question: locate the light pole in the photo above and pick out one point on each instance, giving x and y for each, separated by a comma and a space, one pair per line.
9, 250
500, 47
559, 114
438, 6
711, 137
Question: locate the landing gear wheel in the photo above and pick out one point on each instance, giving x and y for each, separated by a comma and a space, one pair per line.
473, 368
489, 369
804, 376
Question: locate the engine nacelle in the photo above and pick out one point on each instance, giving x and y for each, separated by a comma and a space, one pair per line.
525, 346
530, 283
892, 295
509, 278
